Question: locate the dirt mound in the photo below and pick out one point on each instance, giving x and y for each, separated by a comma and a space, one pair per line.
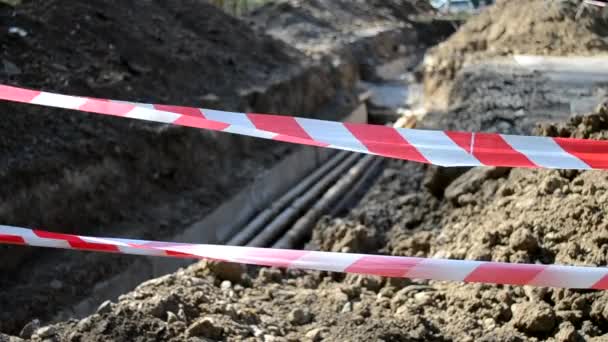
196, 304
519, 215
322, 25
514, 27
100, 175
349, 34
113, 51
531, 216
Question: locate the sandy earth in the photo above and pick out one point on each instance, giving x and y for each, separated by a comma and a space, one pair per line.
518, 215
72, 172
543, 28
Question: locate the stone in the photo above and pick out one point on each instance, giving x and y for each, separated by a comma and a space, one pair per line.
523, 239
105, 307
270, 275
228, 271
567, 333
7, 338
45, 332
171, 317
533, 317
423, 298
315, 334
470, 182
29, 329
226, 285
205, 327
300, 316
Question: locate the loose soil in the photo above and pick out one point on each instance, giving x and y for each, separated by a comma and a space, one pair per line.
533, 216
89, 174
361, 34
81, 173
519, 215
542, 28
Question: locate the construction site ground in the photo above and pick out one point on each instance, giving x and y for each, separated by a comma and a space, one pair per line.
500, 214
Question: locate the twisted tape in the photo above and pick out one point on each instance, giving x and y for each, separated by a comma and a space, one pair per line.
444, 148
381, 265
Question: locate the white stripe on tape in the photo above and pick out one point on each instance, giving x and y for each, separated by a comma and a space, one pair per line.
442, 269
544, 152
332, 133
152, 115
57, 100
438, 148
318, 261
564, 276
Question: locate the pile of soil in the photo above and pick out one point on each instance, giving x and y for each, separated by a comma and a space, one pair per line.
514, 27
519, 215
99, 175
351, 34
113, 51
505, 99
93, 174
322, 25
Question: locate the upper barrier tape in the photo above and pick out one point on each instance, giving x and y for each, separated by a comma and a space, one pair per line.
444, 148
390, 266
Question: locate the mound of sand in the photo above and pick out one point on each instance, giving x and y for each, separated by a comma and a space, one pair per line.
510, 27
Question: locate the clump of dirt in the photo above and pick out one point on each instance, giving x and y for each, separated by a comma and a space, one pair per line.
514, 27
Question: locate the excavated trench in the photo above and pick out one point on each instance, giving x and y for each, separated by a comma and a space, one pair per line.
408, 209
180, 205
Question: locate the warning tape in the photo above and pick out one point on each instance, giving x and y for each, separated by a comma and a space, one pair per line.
444, 148
390, 266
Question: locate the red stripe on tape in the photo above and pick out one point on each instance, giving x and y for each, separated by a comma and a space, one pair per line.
491, 149
106, 107
76, 242
462, 139
499, 273
190, 111
200, 122
274, 257
17, 94
385, 141
287, 128
602, 284
593, 152
12, 239
383, 265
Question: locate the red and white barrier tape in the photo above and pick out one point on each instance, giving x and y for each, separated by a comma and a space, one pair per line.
389, 266
444, 148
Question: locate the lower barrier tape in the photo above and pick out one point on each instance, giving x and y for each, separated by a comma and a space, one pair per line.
390, 266
444, 148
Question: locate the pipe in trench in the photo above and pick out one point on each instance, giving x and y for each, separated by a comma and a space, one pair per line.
275, 228
304, 225
261, 219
